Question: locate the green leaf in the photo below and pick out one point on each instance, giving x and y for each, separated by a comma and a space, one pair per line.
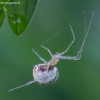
1, 17
19, 14
17, 23
2, 12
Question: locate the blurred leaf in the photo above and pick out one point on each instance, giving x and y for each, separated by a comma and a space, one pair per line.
19, 14
2, 12
1, 17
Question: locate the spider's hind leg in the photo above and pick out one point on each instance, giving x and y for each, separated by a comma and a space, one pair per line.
30, 82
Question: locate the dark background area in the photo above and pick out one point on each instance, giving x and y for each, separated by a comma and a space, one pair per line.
79, 80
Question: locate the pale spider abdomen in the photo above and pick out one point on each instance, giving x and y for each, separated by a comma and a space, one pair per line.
43, 75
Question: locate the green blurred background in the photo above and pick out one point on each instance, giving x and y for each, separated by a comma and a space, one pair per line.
79, 80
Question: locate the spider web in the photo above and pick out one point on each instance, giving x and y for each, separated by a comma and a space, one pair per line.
47, 40
55, 34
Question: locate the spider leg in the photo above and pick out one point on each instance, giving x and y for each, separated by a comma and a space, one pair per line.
71, 42
47, 50
39, 56
30, 82
78, 56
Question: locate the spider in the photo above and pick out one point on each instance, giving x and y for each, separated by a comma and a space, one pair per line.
47, 73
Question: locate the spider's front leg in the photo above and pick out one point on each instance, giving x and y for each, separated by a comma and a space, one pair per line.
71, 41
47, 50
78, 56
